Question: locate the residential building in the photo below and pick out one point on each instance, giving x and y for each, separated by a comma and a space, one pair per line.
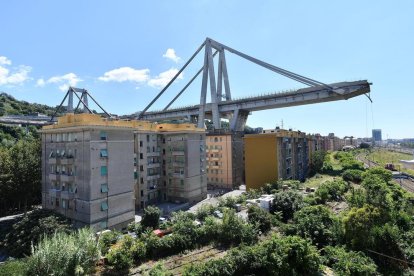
376, 135
224, 155
276, 154
93, 171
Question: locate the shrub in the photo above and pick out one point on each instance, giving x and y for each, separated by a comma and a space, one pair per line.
345, 262
151, 217
260, 217
31, 228
331, 190
277, 256
352, 175
65, 254
287, 202
233, 230
159, 270
384, 174
106, 240
204, 211
13, 268
120, 255
318, 224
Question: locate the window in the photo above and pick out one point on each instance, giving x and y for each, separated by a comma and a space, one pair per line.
148, 138
182, 182
140, 143
142, 180
63, 204
104, 206
142, 192
104, 170
104, 188
75, 137
57, 202
215, 139
51, 154
135, 175
141, 168
103, 135
104, 153
141, 156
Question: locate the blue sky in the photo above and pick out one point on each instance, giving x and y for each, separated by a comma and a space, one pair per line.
118, 51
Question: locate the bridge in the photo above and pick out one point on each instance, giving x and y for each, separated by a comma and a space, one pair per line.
237, 110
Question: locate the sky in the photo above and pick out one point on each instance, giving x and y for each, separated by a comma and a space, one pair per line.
124, 52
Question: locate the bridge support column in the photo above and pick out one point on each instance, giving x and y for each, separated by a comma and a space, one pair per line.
69, 109
239, 119
84, 97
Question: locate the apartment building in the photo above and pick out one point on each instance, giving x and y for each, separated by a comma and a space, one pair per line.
224, 155
276, 154
95, 171
170, 165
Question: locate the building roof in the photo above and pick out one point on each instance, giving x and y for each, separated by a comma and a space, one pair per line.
92, 120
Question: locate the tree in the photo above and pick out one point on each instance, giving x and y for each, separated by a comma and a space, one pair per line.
317, 160
31, 229
151, 217
287, 202
260, 217
345, 262
331, 190
318, 224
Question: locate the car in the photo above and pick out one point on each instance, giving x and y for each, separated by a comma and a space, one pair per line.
163, 220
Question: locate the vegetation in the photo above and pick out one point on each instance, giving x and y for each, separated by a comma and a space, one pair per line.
31, 228
151, 217
287, 203
65, 254
276, 256
10, 106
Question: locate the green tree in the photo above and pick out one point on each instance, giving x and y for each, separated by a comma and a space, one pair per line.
287, 202
260, 217
317, 223
345, 262
31, 229
317, 160
151, 217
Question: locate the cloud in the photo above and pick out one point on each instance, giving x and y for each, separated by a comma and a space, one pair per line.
70, 79
123, 74
170, 54
4, 61
40, 82
18, 76
163, 78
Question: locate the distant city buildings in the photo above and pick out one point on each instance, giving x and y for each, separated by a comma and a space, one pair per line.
376, 135
97, 172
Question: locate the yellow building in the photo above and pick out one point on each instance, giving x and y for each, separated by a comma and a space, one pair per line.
275, 154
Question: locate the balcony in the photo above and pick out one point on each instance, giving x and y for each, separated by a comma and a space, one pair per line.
153, 177
53, 176
67, 195
66, 177
54, 193
178, 175
153, 165
155, 153
178, 164
67, 161
52, 160
177, 152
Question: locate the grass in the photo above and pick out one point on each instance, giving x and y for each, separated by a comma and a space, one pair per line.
316, 180
383, 156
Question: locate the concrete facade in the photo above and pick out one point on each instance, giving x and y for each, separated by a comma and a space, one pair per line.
225, 161
96, 171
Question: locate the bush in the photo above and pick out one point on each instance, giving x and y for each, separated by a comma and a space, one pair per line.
382, 173
260, 217
318, 224
120, 255
204, 211
331, 190
13, 268
31, 228
287, 202
352, 175
106, 240
345, 262
277, 256
159, 270
233, 230
65, 254
151, 217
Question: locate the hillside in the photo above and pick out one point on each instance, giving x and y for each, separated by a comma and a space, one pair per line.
11, 106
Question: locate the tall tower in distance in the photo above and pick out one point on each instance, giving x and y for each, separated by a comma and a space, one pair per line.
376, 136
